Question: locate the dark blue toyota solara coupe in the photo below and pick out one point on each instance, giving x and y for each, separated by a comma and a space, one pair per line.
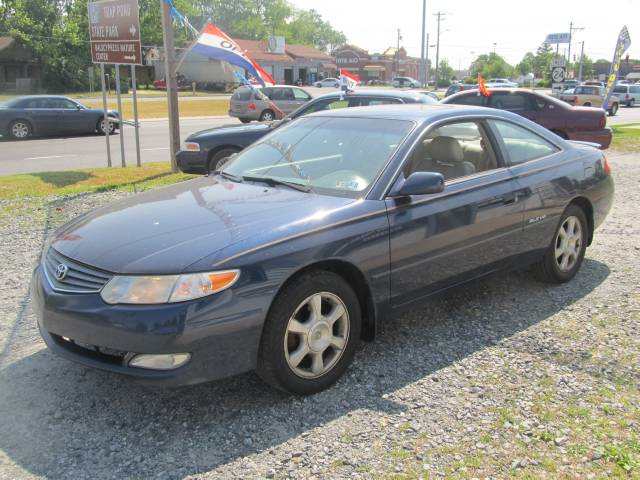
310, 238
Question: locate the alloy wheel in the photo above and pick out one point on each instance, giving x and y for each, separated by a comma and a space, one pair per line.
316, 335
568, 244
20, 130
112, 127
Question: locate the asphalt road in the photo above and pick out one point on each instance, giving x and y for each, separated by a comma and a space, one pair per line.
67, 153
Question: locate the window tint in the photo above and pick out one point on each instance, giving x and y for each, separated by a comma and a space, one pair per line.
281, 94
634, 89
241, 95
537, 102
329, 104
301, 94
515, 102
369, 101
268, 92
454, 150
521, 144
473, 99
61, 103
620, 89
34, 103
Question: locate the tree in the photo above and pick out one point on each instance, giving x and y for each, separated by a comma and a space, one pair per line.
525, 67
491, 66
542, 61
445, 73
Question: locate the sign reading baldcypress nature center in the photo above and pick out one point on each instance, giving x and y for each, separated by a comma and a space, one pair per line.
114, 32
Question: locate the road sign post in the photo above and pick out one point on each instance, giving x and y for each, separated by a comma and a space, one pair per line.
172, 84
134, 91
106, 114
114, 34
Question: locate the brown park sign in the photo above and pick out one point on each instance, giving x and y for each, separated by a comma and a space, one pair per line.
114, 32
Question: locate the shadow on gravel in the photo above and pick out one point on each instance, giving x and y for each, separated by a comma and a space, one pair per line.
61, 420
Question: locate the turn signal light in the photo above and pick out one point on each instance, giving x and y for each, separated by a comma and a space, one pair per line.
605, 166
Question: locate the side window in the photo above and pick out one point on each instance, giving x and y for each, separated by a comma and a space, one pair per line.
455, 150
537, 103
301, 95
472, 99
521, 144
512, 102
363, 102
330, 104
267, 92
281, 94
634, 89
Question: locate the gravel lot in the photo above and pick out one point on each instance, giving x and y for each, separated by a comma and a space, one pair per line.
505, 377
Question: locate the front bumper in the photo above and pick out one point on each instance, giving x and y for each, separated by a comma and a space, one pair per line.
222, 339
193, 162
601, 137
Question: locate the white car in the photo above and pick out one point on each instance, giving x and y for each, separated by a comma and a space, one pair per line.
400, 82
501, 83
327, 82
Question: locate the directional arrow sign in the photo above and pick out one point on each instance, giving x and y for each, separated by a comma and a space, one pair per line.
114, 32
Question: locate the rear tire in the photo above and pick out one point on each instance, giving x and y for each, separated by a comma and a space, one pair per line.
586, 104
632, 103
310, 335
267, 116
219, 159
563, 258
20, 129
245, 120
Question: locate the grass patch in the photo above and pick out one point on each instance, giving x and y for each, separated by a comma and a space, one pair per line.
158, 108
86, 180
626, 137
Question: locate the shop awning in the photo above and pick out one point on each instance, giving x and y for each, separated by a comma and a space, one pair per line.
329, 65
374, 68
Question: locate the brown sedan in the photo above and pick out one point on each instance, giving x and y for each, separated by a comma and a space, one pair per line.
571, 123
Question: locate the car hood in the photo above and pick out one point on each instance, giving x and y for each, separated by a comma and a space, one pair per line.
232, 129
169, 229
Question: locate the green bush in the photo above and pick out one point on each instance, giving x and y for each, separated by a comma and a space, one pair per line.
543, 84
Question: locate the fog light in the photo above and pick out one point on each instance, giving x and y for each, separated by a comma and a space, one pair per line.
169, 361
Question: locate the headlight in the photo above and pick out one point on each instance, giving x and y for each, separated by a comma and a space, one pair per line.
191, 146
166, 288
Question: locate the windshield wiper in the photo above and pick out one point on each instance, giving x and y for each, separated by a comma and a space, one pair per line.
228, 176
275, 181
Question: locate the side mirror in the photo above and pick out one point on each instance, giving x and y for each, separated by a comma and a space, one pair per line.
421, 183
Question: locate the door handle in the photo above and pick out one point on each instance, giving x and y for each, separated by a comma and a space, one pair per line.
510, 198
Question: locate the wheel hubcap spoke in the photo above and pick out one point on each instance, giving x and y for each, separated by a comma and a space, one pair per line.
568, 244
316, 335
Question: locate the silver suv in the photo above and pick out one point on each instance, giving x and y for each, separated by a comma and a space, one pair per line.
252, 104
629, 95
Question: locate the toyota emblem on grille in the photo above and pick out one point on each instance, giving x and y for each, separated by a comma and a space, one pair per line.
61, 271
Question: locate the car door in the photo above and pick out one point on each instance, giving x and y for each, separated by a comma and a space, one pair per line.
70, 119
45, 118
544, 179
284, 99
300, 97
472, 227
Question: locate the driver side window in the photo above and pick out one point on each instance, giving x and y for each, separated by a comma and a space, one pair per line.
455, 150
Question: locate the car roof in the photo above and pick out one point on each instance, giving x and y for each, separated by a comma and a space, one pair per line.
417, 112
373, 93
502, 91
29, 97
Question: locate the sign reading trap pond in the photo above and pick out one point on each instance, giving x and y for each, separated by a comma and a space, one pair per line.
114, 32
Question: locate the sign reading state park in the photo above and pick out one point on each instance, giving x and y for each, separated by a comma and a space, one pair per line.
114, 31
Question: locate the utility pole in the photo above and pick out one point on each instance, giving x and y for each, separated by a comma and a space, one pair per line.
172, 84
426, 62
423, 73
439, 15
581, 58
398, 54
571, 30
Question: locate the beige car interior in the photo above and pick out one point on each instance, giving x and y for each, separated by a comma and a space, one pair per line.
456, 150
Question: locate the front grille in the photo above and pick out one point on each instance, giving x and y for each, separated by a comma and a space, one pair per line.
103, 354
79, 278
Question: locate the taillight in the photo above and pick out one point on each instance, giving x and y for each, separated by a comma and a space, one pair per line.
605, 166
252, 105
603, 121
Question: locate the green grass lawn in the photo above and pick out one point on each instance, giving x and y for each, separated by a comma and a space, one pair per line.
43, 184
158, 109
626, 137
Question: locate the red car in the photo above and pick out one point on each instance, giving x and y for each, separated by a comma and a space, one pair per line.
569, 122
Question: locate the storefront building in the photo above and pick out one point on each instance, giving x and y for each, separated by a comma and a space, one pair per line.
381, 67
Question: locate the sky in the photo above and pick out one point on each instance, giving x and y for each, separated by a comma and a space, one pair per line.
468, 26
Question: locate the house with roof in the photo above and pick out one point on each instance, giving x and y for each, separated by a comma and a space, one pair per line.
19, 72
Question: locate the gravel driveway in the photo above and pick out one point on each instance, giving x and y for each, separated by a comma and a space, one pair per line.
503, 377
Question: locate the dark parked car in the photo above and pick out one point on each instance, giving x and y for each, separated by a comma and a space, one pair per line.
22, 117
208, 150
569, 122
459, 87
313, 237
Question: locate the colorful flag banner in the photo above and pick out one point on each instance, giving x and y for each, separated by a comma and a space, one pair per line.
482, 87
624, 40
348, 80
214, 44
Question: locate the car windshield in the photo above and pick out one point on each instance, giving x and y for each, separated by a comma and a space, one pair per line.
333, 155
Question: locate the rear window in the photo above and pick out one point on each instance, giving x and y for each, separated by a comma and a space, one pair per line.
474, 99
512, 102
241, 95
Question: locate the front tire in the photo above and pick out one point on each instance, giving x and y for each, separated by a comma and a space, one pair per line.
310, 335
631, 103
563, 258
20, 130
613, 110
220, 158
101, 128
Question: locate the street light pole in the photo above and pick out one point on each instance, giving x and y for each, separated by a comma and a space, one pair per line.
172, 84
423, 74
398, 55
581, 59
